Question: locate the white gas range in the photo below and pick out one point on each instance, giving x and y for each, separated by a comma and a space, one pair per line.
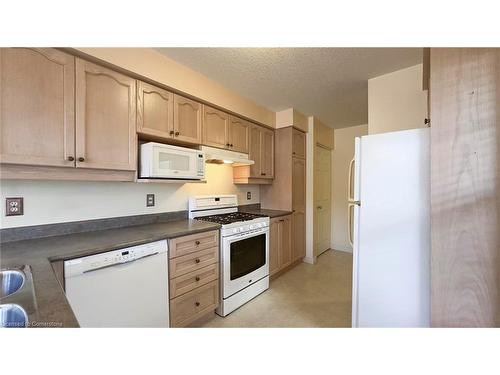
244, 248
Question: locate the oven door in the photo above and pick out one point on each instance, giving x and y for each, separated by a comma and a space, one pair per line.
245, 260
174, 163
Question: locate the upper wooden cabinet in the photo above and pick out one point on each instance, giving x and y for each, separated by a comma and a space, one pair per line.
299, 144
215, 128
155, 111
238, 134
261, 151
105, 118
187, 120
298, 185
37, 119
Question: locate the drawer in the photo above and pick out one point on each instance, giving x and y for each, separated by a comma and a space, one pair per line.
194, 304
193, 262
194, 242
193, 280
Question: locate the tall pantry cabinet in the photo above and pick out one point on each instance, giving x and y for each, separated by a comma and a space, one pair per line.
288, 191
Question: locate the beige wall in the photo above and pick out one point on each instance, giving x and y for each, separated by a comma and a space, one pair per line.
342, 155
292, 117
47, 202
396, 101
151, 64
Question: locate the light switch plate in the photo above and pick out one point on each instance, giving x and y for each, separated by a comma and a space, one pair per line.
249, 195
150, 200
14, 206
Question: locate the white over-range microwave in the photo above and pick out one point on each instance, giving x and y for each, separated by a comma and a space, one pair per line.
166, 161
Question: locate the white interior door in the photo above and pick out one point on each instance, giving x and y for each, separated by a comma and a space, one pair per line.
322, 199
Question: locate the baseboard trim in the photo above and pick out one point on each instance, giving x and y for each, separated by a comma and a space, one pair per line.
344, 248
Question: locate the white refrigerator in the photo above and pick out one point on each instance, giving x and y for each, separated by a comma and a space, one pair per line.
389, 228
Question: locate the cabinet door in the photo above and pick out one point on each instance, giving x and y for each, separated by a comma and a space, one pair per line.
105, 118
298, 185
187, 120
254, 150
37, 96
274, 243
299, 236
267, 154
285, 229
238, 134
299, 144
155, 109
215, 127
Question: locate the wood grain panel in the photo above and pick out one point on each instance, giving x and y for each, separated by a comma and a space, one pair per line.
193, 305
215, 127
193, 280
37, 100
465, 114
192, 243
238, 134
155, 111
193, 262
187, 120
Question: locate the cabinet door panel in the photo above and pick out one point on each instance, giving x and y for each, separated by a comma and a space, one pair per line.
298, 185
299, 144
238, 134
215, 127
299, 236
187, 119
285, 241
274, 241
37, 94
254, 150
267, 154
105, 118
154, 111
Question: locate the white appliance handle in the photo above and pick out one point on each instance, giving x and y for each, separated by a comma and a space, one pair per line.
349, 223
350, 181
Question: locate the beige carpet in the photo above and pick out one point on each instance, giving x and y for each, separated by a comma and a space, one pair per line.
307, 296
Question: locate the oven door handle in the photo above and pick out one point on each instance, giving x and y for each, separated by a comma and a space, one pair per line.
253, 233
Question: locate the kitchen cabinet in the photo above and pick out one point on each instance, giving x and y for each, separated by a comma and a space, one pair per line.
37, 119
288, 190
215, 128
105, 118
238, 134
155, 111
280, 243
193, 277
187, 120
261, 151
167, 116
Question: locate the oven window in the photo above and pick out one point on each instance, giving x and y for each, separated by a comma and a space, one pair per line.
247, 255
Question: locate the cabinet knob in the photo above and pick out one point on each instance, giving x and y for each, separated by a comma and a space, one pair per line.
228, 144
197, 278
197, 242
262, 174
71, 158
171, 132
177, 134
80, 159
197, 260
231, 145
197, 304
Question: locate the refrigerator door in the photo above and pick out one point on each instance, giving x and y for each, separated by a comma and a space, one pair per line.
391, 253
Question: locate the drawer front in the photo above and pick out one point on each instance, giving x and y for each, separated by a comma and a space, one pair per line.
193, 280
194, 242
193, 262
194, 304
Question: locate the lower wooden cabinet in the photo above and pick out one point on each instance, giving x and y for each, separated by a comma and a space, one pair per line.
299, 236
280, 243
194, 277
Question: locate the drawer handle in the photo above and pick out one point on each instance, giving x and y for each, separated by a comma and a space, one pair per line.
197, 260
197, 243
197, 278
197, 304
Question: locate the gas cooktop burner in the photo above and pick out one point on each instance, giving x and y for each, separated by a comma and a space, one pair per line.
230, 218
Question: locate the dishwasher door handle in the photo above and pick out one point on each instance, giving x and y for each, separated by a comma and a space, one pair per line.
121, 263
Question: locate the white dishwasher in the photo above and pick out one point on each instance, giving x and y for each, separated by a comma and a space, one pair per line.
121, 288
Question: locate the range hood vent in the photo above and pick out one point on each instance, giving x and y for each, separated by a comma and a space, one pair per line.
218, 156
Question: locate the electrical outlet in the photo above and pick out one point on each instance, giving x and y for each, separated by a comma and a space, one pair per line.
14, 206
249, 195
150, 200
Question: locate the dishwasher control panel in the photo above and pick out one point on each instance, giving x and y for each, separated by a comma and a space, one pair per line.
96, 262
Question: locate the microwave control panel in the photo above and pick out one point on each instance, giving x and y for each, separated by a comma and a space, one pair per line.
201, 165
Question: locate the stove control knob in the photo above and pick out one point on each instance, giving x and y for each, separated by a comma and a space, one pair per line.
236, 230
251, 227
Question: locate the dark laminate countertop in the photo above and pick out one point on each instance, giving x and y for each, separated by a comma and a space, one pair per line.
53, 307
270, 213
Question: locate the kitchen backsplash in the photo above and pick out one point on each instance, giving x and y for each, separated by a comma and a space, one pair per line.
47, 202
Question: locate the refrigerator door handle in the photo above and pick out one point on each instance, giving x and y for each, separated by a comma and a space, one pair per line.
349, 222
350, 187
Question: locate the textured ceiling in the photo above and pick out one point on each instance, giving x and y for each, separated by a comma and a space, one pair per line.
329, 83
